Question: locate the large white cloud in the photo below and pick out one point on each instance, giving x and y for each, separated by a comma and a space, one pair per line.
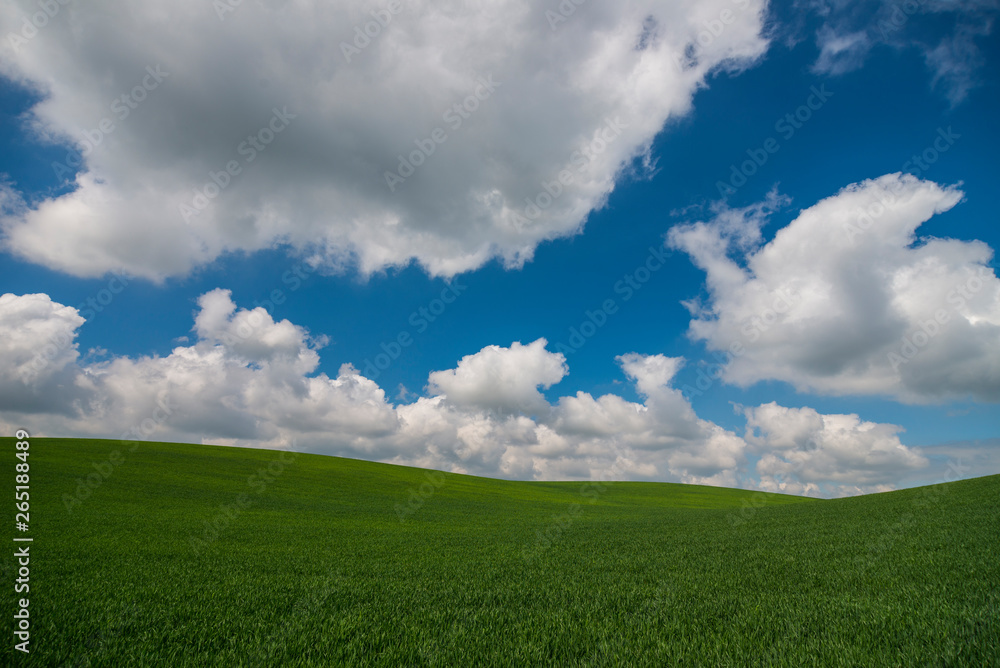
538, 99
39, 351
663, 432
848, 300
834, 453
248, 380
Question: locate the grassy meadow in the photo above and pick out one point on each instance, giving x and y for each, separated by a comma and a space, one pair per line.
186, 555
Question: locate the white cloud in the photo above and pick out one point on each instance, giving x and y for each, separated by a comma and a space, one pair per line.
848, 300
197, 88
505, 380
804, 452
651, 373
38, 348
252, 334
247, 377
248, 380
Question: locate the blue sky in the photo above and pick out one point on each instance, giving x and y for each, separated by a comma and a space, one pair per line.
884, 97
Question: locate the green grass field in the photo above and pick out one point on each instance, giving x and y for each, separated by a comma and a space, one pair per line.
190, 556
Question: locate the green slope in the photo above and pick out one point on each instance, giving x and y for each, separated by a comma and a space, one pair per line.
317, 567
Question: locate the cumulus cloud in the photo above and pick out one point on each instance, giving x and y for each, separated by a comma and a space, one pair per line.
663, 431
502, 379
39, 351
252, 334
947, 33
247, 377
847, 299
650, 373
804, 452
436, 137
249, 380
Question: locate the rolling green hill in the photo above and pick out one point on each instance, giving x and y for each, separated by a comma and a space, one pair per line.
176, 555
